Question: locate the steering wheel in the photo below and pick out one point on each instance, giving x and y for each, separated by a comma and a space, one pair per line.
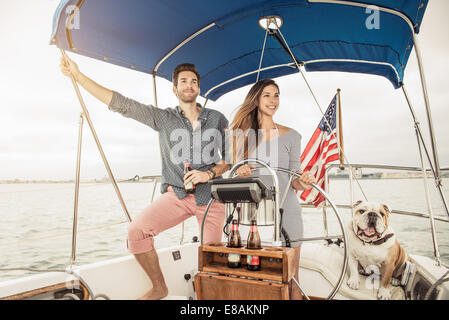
322, 192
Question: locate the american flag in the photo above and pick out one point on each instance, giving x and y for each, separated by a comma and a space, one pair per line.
321, 149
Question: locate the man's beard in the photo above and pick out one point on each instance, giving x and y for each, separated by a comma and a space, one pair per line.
187, 99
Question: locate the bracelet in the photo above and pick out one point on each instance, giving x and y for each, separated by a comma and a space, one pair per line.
212, 171
209, 174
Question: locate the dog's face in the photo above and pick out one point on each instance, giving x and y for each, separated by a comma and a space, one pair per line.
370, 220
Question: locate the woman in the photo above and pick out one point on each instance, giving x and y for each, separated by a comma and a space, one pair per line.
258, 136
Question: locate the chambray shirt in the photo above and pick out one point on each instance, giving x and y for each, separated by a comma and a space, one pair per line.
202, 147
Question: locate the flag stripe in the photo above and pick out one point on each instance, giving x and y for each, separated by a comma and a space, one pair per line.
311, 144
321, 149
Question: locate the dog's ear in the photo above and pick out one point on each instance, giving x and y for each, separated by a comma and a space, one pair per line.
357, 203
387, 208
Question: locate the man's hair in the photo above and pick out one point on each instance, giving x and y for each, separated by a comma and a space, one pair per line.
181, 68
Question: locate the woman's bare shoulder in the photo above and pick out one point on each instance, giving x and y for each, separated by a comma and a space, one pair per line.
284, 129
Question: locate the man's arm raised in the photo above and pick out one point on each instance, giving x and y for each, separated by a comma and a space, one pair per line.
69, 67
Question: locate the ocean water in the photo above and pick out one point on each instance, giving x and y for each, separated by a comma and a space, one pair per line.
36, 220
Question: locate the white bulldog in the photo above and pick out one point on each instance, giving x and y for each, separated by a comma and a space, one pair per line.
373, 246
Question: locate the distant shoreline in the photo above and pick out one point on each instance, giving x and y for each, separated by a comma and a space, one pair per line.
136, 178
149, 179
66, 181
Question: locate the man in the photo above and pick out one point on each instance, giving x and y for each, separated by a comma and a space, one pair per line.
188, 133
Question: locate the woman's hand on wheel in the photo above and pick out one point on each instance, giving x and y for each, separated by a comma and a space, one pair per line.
304, 182
307, 177
245, 170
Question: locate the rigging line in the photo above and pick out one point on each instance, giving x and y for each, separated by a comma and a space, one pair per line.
317, 103
261, 55
302, 74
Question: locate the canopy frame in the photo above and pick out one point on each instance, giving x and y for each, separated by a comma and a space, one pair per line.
85, 115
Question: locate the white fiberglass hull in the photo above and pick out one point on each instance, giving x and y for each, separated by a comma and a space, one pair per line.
123, 279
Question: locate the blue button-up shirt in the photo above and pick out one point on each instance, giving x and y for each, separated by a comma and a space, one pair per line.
202, 147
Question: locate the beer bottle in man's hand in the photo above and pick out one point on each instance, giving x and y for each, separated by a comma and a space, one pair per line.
253, 262
189, 186
234, 242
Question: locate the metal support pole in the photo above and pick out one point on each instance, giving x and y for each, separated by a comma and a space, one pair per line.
351, 191
154, 90
97, 141
300, 288
326, 189
421, 139
77, 188
263, 50
417, 125
203, 222
429, 115
154, 189
429, 205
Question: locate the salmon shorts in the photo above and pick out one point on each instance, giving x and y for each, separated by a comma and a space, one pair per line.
168, 211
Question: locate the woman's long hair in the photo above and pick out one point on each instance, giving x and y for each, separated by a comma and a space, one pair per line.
246, 122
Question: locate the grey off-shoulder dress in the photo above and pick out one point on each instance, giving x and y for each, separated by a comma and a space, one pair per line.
283, 151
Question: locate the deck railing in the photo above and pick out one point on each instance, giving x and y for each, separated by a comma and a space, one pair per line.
429, 216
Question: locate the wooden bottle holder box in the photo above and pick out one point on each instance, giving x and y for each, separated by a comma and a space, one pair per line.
216, 281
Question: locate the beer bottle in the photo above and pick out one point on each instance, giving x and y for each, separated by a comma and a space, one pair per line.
189, 186
234, 242
252, 261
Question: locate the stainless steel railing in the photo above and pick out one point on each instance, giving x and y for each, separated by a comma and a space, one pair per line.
429, 216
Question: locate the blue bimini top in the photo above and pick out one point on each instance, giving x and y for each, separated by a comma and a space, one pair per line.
224, 39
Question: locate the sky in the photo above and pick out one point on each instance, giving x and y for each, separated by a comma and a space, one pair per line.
40, 111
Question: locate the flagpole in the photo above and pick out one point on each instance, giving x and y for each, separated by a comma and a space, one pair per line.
340, 128
341, 155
